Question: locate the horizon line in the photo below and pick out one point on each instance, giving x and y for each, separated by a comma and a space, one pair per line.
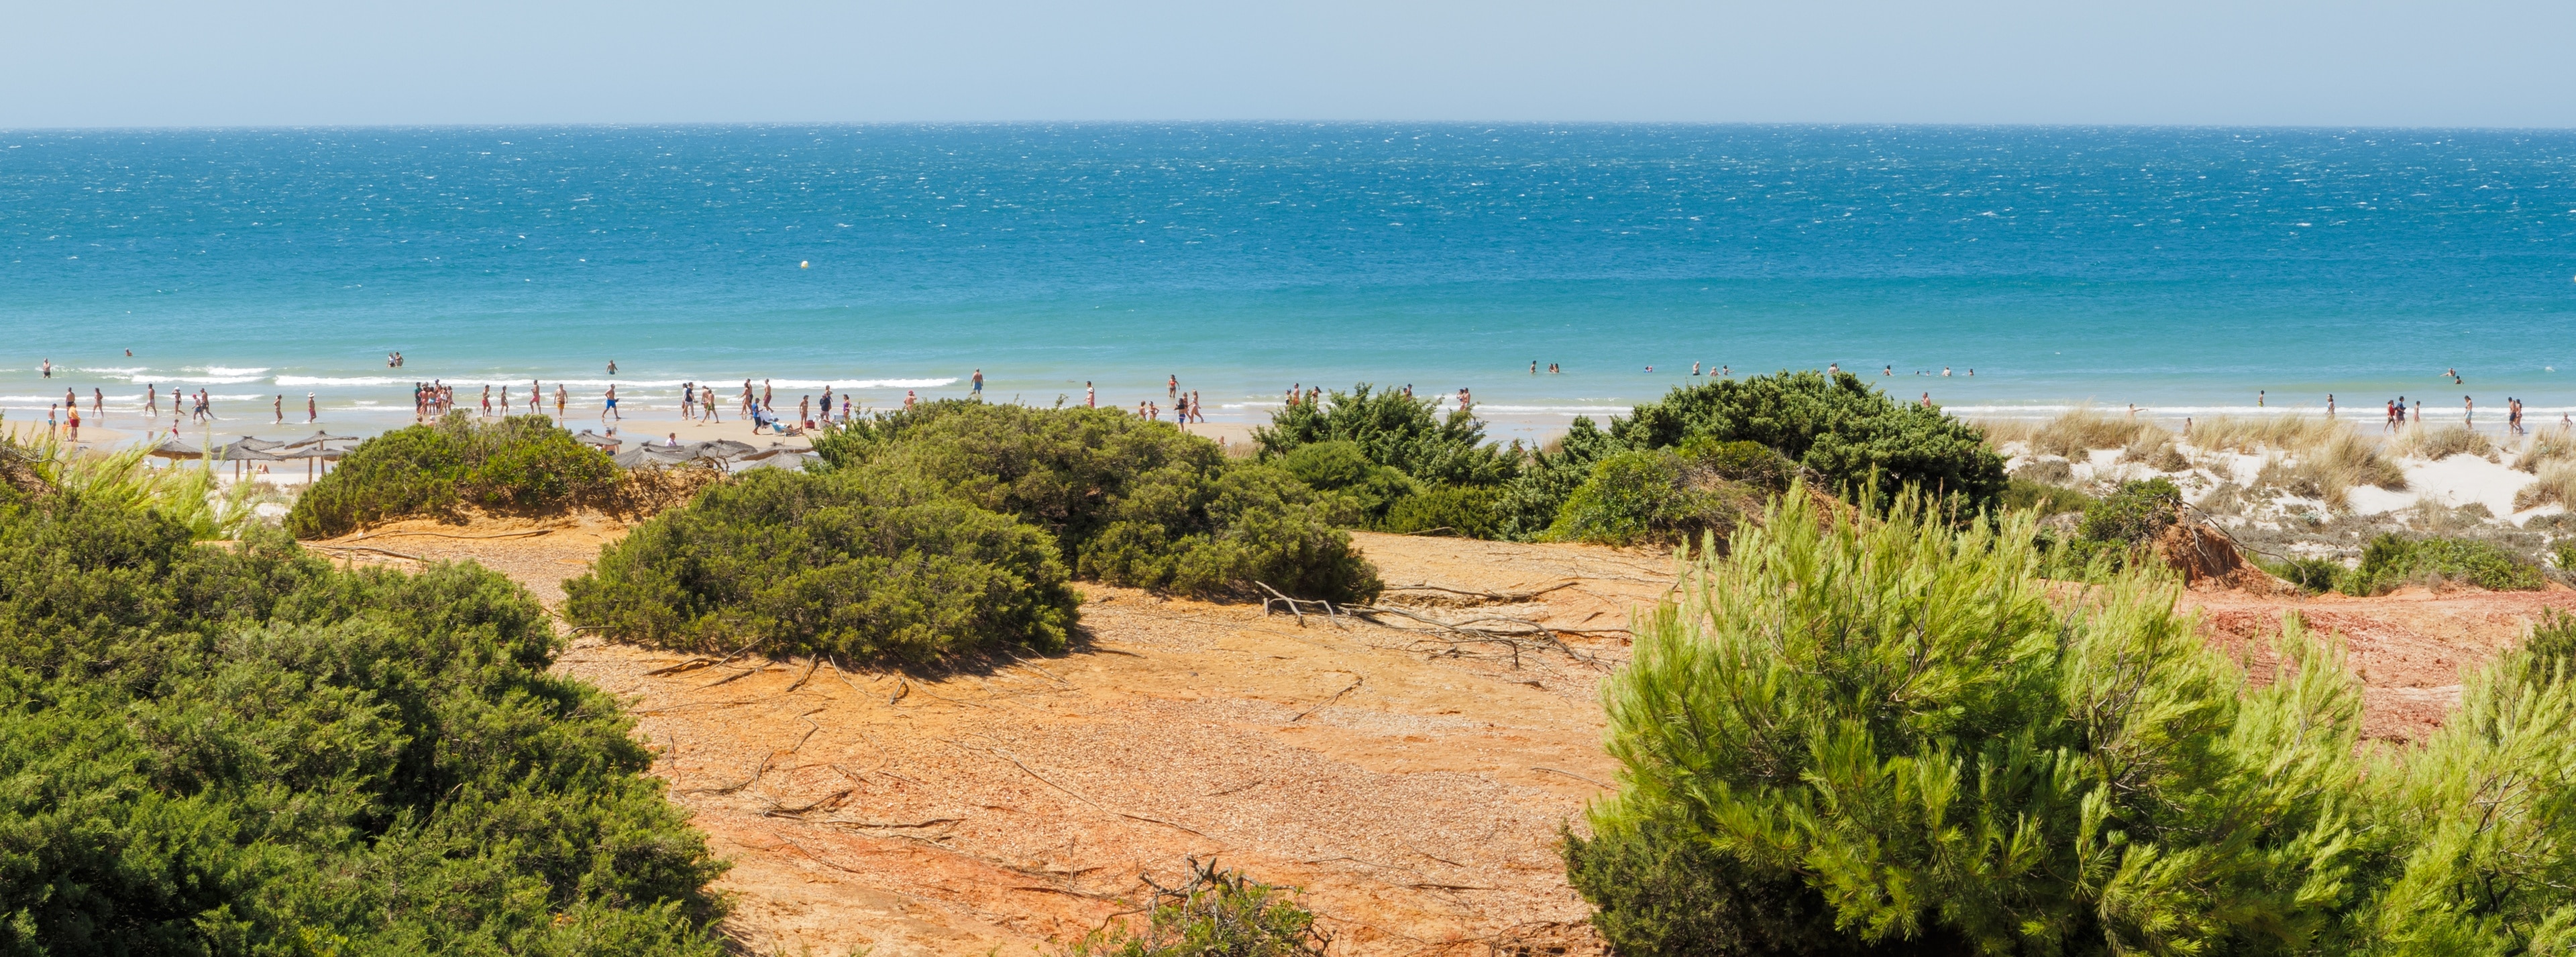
1496, 124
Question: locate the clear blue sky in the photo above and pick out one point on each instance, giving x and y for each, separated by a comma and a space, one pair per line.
2357, 62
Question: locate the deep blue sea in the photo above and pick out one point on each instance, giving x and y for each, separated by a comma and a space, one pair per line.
2178, 269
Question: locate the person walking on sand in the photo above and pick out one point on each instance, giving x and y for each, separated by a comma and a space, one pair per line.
845, 408
1090, 399
536, 396
2468, 412
805, 411
1171, 387
73, 416
746, 398
279, 406
2329, 405
766, 395
152, 399
312, 410
563, 397
98, 403
487, 400
610, 410
977, 388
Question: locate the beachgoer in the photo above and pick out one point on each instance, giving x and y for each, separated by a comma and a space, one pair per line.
1171, 387
49, 369
1927, 400
2258, 398
1887, 370
536, 396
688, 400
2419, 411
487, 400
2186, 426
908, 399
1833, 368
827, 403
1196, 413
766, 395
2468, 411
612, 367
312, 410
845, 407
152, 399
98, 402
1533, 367
279, 406
1945, 372
1972, 372
1090, 399
2330, 405
53, 417
2388, 422
1726, 371
563, 397
707, 405
672, 442
978, 389
1694, 367
73, 416
611, 408
746, 398
805, 410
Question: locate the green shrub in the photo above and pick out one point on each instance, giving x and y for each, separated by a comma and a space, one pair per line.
2312, 575
2483, 816
241, 750
1888, 711
519, 463
1471, 511
1532, 499
1129, 501
1662, 894
1218, 913
1658, 497
2046, 499
2392, 560
856, 564
2134, 515
1850, 436
1340, 466
1397, 431
1751, 463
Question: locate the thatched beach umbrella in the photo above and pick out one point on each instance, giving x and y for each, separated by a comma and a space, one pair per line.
318, 438
254, 443
605, 443
312, 455
172, 448
238, 453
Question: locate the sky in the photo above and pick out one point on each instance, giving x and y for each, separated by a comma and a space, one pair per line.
112, 63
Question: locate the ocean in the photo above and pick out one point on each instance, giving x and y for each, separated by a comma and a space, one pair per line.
2184, 270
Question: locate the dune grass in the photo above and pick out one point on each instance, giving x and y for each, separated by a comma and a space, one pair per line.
2436, 444
2546, 446
2250, 435
2332, 469
2080, 430
2555, 486
2003, 432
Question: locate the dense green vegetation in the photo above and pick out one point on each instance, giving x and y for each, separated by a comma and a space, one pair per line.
953, 526
809, 563
1395, 430
1852, 438
522, 462
240, 750
1864, 735
1649, 478
2392, 560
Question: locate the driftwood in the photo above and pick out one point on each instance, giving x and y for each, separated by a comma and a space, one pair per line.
1293, 606
1515, 634
1505, 598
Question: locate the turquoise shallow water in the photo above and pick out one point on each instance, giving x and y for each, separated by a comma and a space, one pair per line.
2179, 269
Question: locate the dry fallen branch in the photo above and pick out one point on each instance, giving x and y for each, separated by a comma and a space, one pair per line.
1571, 774
731, 677
1521, 634
781, 810
689, 665
810, 665
746, 782
1494, 596
1337, 696
527, 534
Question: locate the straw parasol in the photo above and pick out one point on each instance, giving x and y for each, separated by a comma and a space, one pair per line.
318, 438
172, 448
239, 452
